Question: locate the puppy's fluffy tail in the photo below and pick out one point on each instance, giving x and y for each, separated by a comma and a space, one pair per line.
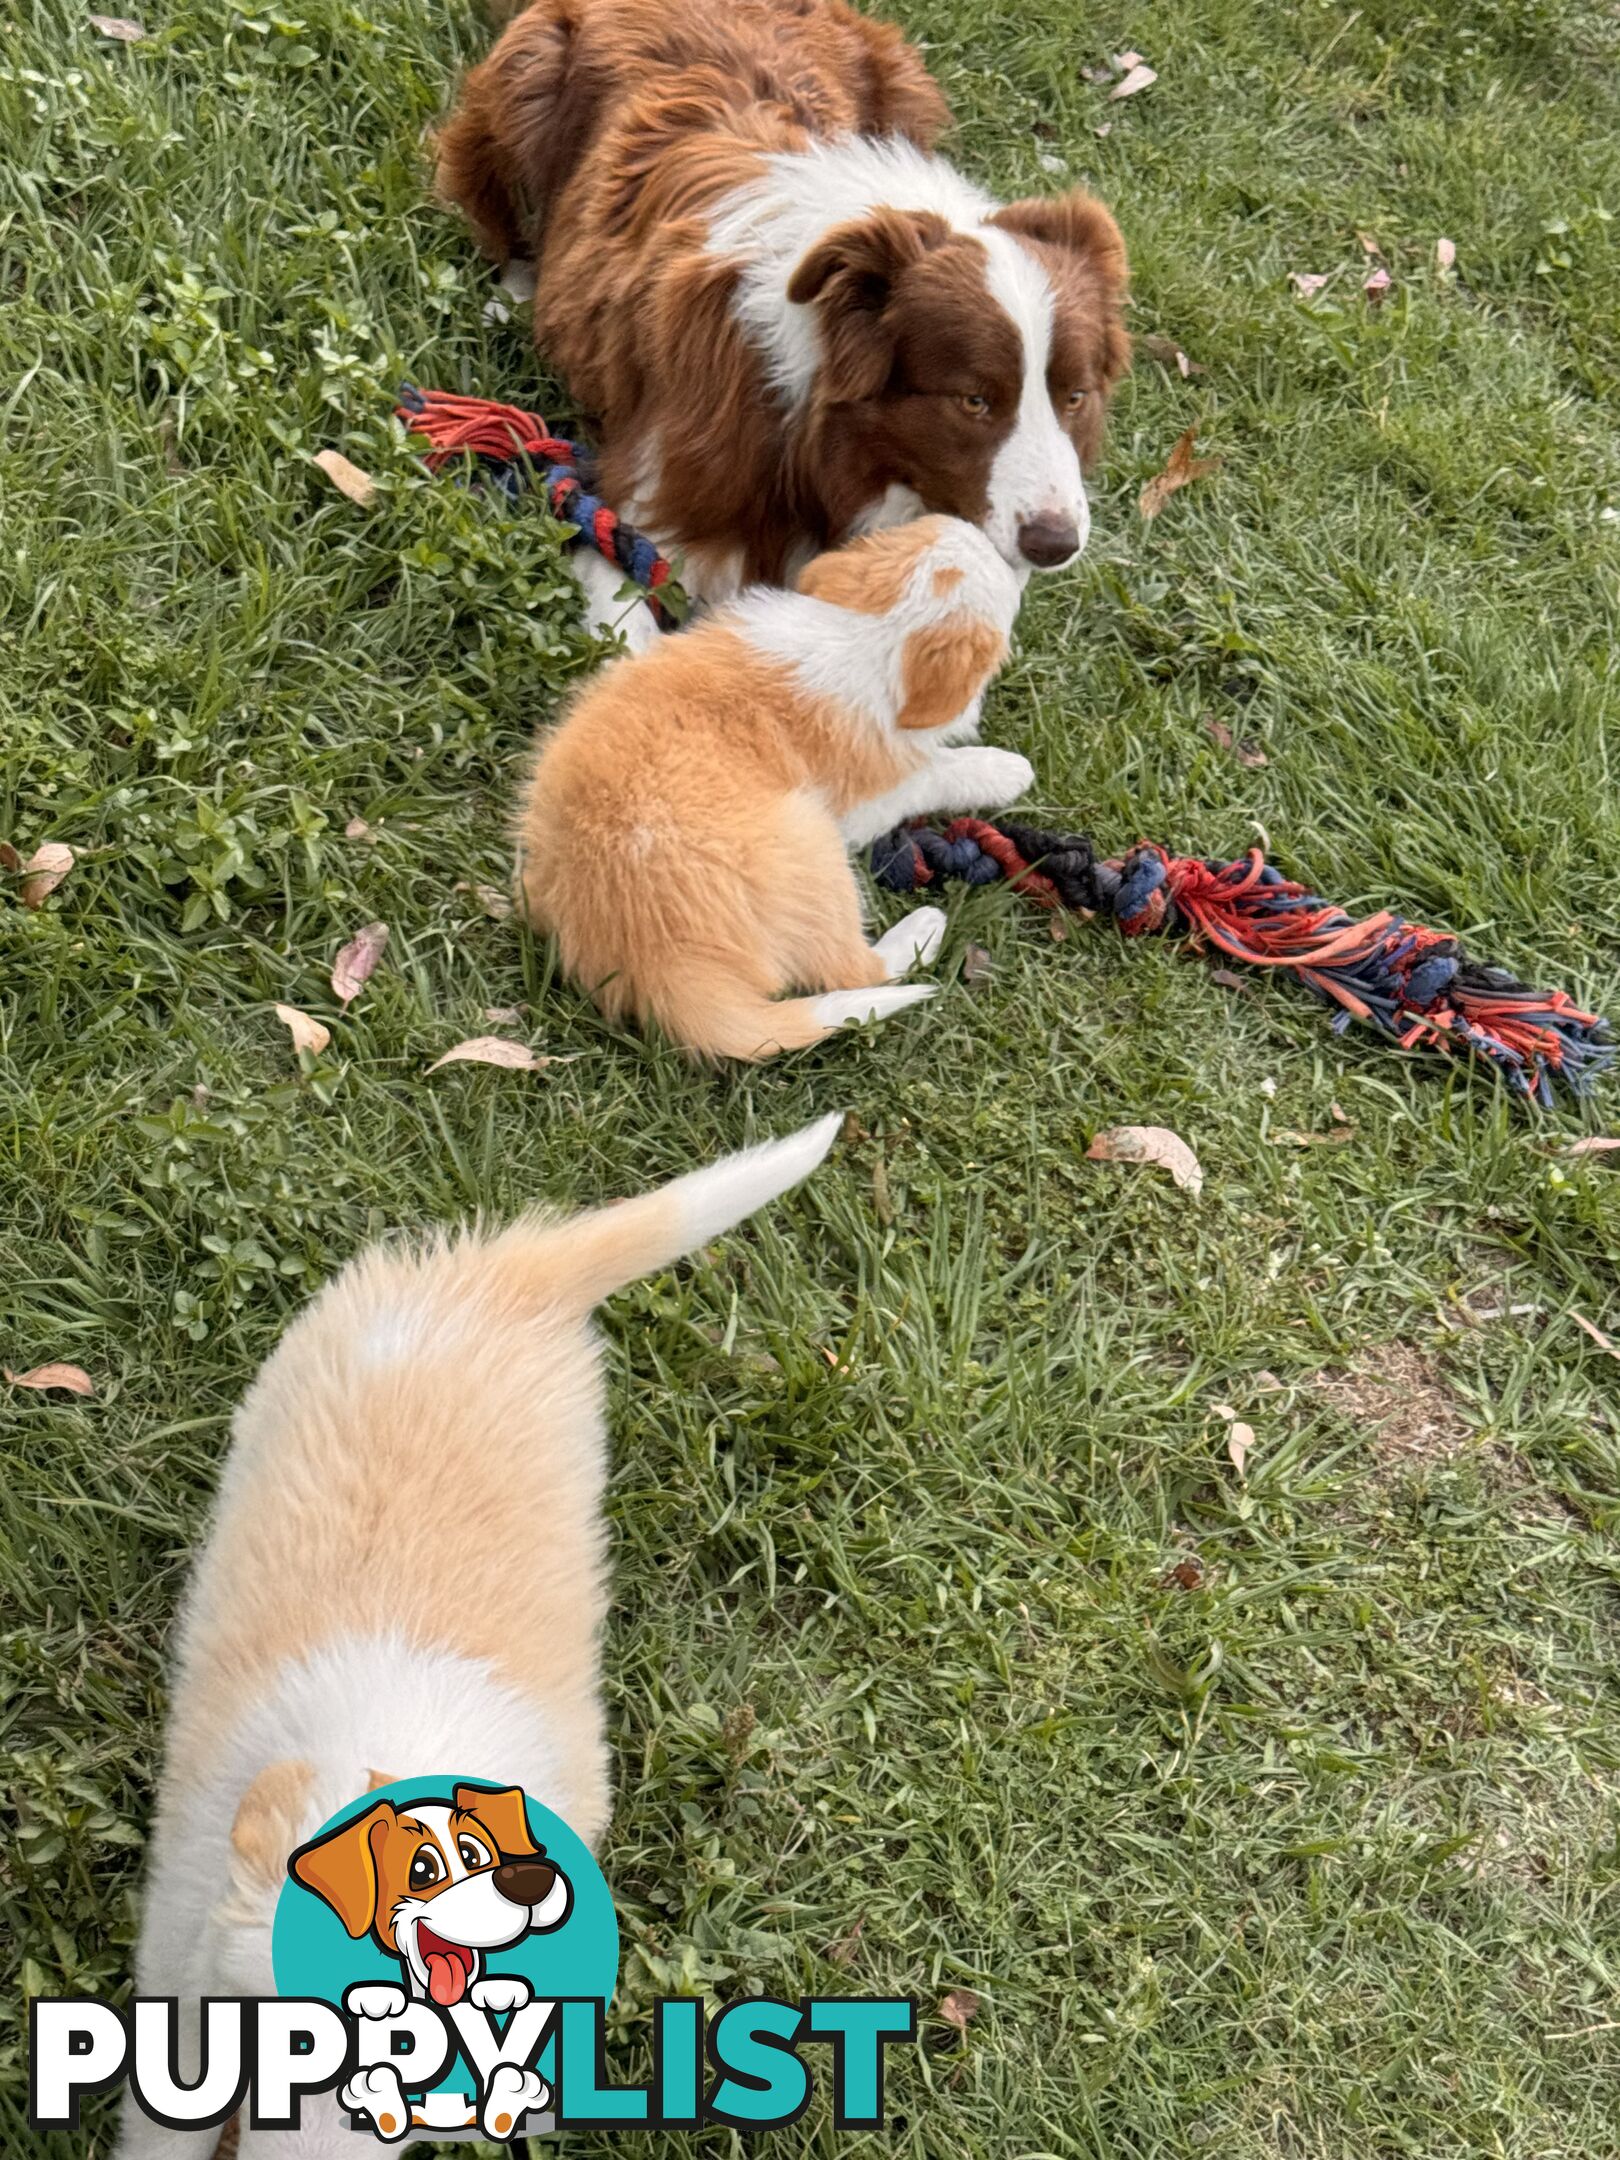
580, 1262
720, 1017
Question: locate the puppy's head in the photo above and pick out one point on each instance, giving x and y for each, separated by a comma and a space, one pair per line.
973, 367
438, 1883
949, 598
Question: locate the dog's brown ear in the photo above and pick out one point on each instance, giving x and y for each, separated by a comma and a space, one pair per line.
502, 1814
267, 1819
341, 1868
850, 275
1078, 224
943, 668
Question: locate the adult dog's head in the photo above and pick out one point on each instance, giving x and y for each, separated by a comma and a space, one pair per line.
438, 1883
968, 366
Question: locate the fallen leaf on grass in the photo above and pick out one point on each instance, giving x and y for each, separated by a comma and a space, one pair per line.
357, 829
1377, 286
42, 873
346, 476
977, 965
70, 1377
1288, 1138
307, 1034
1369, 245
119, 28
352, 968
495, 904
1125, 61
1593, 1144
503, 1015
959, 2008
1187, 1574
1248, 753
1239, 1440
1445, 254
499, 1050
1226, 979
1181, 469
1150, 1144
1168, 354
843, 1951
1306, 283
1139, 78
1588, 1327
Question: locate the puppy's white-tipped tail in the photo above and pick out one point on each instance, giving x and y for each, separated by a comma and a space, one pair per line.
584, 1260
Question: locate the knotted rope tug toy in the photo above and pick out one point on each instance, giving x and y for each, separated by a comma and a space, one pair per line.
1417, 986
517, 450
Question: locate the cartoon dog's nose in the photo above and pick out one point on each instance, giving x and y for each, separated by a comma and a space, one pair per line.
525, 1882
1048, 541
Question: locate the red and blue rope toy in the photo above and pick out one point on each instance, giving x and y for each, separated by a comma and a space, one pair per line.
516, 450
1416, 986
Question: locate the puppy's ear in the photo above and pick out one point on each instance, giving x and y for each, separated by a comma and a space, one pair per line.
267, 1819
1077, 224
870, 575
341, 1868
943, 668
502, 1814
850, 275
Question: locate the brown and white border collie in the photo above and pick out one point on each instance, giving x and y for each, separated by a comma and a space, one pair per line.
791, 320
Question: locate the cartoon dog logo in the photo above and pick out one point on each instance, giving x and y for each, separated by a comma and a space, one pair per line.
439, 1884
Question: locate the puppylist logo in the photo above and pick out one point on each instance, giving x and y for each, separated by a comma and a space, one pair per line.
444, 1953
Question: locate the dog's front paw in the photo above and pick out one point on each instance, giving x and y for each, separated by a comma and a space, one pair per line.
512, 2093
375, 2000
1001, 776
500, 1992
378, 2093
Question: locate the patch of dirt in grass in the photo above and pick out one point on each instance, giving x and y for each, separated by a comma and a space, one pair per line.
1402, 1399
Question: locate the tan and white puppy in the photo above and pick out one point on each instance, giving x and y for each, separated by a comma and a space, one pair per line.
686, 829
405, 1573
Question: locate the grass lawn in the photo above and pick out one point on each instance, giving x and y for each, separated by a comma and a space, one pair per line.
1263, 1818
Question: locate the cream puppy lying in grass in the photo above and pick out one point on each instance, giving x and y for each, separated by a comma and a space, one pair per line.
686, 829
404, 1577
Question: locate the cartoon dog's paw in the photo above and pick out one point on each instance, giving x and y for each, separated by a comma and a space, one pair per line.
500, 1992
512, 2092
375, 2000
378, 2093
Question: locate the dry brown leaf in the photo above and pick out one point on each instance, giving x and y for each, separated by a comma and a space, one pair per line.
495, 904
357, 829
43, 872
1285, 1137
1445, 254
1181, 469
1593, 1144
843, 1951
1187, 1574
1168, 354
1107, 128
1376, 287
119, 28
1369, 246
307, 1034
503, 1015
1139, 78
498, 1050
346, 476
1218, 732
1125, 61
1306, 283
1224, 1410
1336, 1113
352, 968
1150, 1144
1251, 754
1588, 1327
70, 1377
1239, 1440
977, 965
959, 2008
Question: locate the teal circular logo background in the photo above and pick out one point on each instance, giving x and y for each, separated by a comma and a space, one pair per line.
311, 1952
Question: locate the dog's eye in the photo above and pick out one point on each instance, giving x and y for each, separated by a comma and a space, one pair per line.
976, 405
1075, 399
425, 1868
472, 1853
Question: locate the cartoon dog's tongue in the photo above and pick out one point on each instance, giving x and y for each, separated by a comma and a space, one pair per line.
449, 1968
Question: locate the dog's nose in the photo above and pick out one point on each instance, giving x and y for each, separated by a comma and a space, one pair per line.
1048, 541
525, 1882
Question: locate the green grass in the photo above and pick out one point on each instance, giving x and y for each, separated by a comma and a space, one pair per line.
1319, 1856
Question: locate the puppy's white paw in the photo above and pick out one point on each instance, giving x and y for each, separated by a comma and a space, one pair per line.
1000, 776
378, 2093
375, 2000
838, 1007
500, 1992
912, 941
512, 2093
